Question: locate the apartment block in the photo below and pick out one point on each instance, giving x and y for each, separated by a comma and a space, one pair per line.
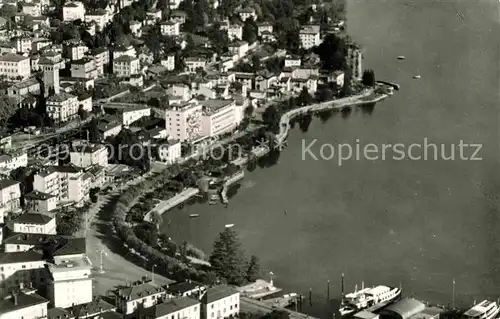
183, 122
15, 66
62, 107
84, 68
141, 295
218, 117
73, 11
30, 223
125, 66
309, 36
220, 302
86, 155
24, 305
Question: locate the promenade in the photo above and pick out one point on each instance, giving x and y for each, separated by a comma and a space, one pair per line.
165, 205
330, 105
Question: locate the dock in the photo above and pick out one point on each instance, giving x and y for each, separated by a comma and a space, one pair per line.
255, 306
259, 289
165, 205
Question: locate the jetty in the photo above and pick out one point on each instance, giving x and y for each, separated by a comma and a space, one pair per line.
330, 105
230, 181
259, 289
170, 203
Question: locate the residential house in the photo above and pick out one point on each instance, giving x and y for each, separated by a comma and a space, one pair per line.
154, 14
235, 32
337, 77
267, 37
10, 194
129, 113
21, 90
96, 309
218, 117
264, 81
62, 107
124, 50
187, 288
13, 160
84, 68
100, 17
182, 90
136, 28
178, 16
194, 63
247, 13
86, 155
23, 44
183, 122
310, 83
169, 62
183, 307
292, 61
23, 305
33, 9
244, 78
309, 36
41, 203
141, 295
30, 223
109, 129
73, 11
170, 28
169, 151
20, 268
101, 58
39, 43
15, 66
264, 27
126, 65
220, 302
76, 51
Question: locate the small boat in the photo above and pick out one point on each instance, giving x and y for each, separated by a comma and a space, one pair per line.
229, 225
194, 215
401, 57
416, 77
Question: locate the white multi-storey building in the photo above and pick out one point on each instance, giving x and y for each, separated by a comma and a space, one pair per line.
100, 17
183, 307
73, 11
23, 44
169, 62
101, 58
69, 281
219, 116
29, 223
169, 151
220, 302
194, 63
88, 155
247, 13
13, 66
144, 295
9, 162
125, 66
62, 107
235, 32
183, 122
33, 9
310, 36
124, 50
10, 194
170, 28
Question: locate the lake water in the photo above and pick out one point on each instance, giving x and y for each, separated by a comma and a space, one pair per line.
412, 222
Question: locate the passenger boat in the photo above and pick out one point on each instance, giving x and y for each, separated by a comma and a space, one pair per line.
401, 57
484, 310
368, 297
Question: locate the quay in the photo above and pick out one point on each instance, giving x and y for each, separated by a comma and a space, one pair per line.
282, 302
165, 205
258, 289
230, 181
336, 104
255, 306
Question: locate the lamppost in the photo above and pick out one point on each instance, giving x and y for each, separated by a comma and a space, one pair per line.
153, 274
101, 268
271, 274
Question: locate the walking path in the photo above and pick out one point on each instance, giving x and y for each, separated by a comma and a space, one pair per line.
336, 104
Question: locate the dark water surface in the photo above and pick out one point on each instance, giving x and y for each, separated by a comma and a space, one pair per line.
418, 223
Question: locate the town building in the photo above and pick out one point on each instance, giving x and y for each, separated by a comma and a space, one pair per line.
292, 61
124, 50
15, 66
309, 36
10, 194
239, 48
187, 288
73, 11
170, 28
264, 27
125, 66
183, 122
24, 306
220, 302
355, 61
178, 16
247, 13
218, 117
182, 307
169, 151
101, 58
337, 77
13, 160
33, 9
86, 155
194, 63
42, 203
23, 44
100, 17
140, 295
20, 90
62, 107
76, 51
51, 80
30, 223
128, 112
84, 68
136, 28
235, 32
20, 268
169, 62
69, 280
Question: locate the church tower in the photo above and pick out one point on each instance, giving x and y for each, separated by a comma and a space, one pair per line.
50, 76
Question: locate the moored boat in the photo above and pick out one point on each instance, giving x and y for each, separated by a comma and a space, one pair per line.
368, 297
486, 309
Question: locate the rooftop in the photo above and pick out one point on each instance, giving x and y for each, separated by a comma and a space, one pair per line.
170, 306
96, 306
4, 183
183, 287
214, 105
88, 148
139, 291
58, 313
81, 61
217, 293
73, 246
20, 257
31, 239
125, 58
13, 58
61, 97
36, 219
19, 301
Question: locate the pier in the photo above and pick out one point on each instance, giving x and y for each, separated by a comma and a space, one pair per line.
165, 205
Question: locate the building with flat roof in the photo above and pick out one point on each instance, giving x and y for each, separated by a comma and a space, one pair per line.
402, 309
219, 116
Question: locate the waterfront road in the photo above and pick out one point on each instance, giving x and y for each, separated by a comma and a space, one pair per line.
255, 306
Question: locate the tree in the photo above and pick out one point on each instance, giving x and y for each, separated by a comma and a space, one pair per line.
147, 233
368, 78
277, 314
7, 110
304, 97
271, 117
94, 135
256, 63
249, 33
82, 113
249, 111
253, 270
227, 258
332, 53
